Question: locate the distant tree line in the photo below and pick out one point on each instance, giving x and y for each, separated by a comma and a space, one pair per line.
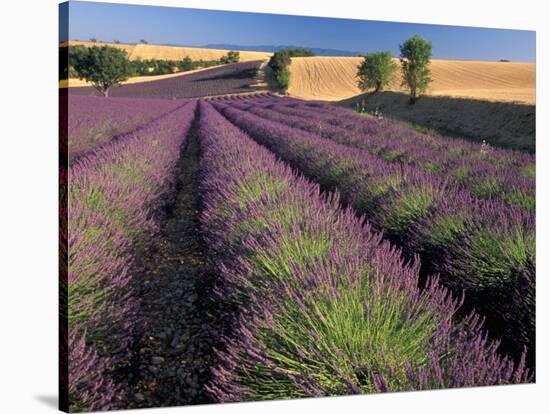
105, 66
149, 67
280, 61
378, 68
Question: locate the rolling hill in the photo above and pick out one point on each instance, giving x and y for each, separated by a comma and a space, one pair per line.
334, 79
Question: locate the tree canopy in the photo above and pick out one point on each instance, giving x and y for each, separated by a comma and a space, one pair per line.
103, 67
376, 71
280, 61
416, 54
233, 56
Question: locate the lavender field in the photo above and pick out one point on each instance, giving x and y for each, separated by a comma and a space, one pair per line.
256, 247
93, 121
234, 78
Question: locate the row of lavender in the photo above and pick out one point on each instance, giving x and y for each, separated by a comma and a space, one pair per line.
317, 304
93, 121
486, 172
112, 196
483, 247
346, 118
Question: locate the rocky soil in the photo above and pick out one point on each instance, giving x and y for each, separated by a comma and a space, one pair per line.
173, 357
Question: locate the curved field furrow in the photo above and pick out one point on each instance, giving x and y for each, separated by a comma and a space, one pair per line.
316, 303
233, 78
483, 247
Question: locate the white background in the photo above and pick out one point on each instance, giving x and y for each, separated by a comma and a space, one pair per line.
28, 206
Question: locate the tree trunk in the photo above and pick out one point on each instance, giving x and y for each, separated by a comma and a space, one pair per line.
413, 98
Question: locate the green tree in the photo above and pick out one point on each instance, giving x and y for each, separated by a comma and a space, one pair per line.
416, 54
233, 56
283, 78
279, 61
137, 67
103, 67
298, 52
376, 71
72, 73
67, 58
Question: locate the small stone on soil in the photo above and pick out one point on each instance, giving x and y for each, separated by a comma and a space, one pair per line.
157, 360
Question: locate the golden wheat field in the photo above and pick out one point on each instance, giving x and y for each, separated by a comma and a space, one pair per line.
143, 51
333, 78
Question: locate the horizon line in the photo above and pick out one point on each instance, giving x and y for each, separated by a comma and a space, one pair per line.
503, 60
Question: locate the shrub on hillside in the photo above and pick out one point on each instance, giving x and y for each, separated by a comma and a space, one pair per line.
298, 52
283, 78
206, 63
280, 61
233, 56
186, 64
151, 67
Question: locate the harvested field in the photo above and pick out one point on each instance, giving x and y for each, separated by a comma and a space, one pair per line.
333, 78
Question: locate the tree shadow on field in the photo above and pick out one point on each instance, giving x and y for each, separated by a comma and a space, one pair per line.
503, 124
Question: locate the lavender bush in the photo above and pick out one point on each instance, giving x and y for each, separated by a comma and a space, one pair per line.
317, 303
405, 202
486, 172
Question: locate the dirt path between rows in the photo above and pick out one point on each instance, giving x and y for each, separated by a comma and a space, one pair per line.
173, 359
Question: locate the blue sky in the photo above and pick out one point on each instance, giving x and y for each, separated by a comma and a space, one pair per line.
194, 27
